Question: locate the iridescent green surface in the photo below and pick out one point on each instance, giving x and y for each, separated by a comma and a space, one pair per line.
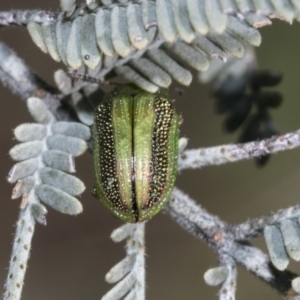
135, 152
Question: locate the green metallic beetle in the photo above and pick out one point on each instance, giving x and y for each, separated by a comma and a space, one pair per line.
135, 152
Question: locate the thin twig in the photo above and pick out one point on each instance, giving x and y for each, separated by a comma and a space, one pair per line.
136, 245
23, 17
255, 227
218, 235
198, 158
18, 77
20, 253
228, 288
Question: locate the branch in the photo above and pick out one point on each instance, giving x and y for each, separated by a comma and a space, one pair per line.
254, 228
18, 77
197, 158
227, 291
218, 235
23, 17
258, 263
20, 252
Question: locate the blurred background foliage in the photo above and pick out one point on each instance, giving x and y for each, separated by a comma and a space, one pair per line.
72, 254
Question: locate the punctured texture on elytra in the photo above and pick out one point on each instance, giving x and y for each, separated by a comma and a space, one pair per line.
135, 152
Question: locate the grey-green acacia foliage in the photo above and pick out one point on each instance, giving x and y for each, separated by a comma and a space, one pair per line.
149, 43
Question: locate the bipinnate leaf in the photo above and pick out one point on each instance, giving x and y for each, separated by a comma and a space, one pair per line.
58, 187
115, 39
41, 164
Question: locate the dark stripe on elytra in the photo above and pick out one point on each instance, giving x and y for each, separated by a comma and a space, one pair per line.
162, 124
134, 205
107, 156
